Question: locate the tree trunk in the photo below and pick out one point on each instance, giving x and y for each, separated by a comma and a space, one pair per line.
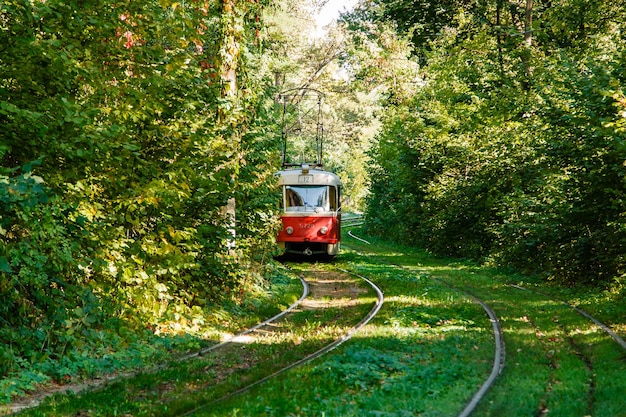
229, 57
528, 42
528, 24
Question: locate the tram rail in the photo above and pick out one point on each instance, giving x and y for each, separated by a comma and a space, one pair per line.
478, 297
499, 341
306, 359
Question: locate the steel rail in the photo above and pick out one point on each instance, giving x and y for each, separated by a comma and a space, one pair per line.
305, 294
500, 351
331, 346
353, 236
499, 355
583, 313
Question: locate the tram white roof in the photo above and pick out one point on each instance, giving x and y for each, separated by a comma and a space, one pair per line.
315, 177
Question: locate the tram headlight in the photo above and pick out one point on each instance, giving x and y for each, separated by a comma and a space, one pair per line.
324, 230
289, 230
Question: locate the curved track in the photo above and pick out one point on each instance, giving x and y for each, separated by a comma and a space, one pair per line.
18, 407
320, 352
573, 345
606, 329
498, 360
305, 293
537, 326
500, 351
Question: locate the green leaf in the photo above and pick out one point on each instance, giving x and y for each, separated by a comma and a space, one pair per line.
4, 265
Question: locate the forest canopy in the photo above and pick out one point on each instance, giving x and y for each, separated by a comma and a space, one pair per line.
511, 149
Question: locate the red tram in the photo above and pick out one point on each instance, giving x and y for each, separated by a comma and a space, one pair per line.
311, 213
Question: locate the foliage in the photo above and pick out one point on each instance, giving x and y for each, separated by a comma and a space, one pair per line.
429, 349
511, 151
120, 145
564, 24
129, 129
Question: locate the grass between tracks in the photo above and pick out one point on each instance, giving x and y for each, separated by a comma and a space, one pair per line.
558, 363
430, 348
426, 353
183, 386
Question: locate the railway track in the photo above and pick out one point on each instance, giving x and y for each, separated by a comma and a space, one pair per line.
244, 361
560, 338
565, 334
241, 336
498, 359
499, 346
326, 289
331, 288
333, 309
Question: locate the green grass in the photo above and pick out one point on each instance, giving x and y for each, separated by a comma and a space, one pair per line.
552, 354
183, 386
426, 353
557, 361
118, 346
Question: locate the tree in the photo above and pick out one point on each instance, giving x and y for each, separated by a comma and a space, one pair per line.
120, 144
507, 152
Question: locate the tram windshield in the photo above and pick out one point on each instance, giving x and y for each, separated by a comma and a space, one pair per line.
313, 198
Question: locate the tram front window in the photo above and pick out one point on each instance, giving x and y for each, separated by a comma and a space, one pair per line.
307, 198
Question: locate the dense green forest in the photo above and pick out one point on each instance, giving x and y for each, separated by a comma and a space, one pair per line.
511, 148
128, 131
138, 141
